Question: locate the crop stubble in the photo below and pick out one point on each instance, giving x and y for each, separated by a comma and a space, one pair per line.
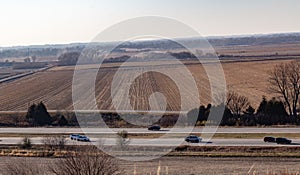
54, 86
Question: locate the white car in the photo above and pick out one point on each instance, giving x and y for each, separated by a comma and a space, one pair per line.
74, 136
83, 138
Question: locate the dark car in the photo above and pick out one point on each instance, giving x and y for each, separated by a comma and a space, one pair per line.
270, 139
193, 139
154, 128
281, 140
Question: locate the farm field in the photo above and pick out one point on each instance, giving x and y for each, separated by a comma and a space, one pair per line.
54, 86
261, 50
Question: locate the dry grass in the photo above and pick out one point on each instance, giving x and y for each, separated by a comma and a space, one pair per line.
188, 165
182, 151
33, 153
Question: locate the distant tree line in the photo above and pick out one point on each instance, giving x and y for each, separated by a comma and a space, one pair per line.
39, 51
269, 112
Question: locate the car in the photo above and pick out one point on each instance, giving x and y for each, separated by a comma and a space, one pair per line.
281, 140
79, 137
83, 138
74, 136
193, 139
270, 139
154, 128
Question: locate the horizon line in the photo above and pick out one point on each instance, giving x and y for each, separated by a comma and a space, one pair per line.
207, 37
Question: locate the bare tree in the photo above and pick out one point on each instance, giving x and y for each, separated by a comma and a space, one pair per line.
285, 81
122, 139
237, 103
53, 142
86, 162
33, 58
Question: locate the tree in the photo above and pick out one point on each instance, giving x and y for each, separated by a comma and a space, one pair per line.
59, 120
31, 114
204, 112
237, 103
228, 119
27, 60
263, 105
271, 112
198, 114
122, 139
69, 58
62, 121
285, 81
192, 116
38, 115
33, 58
250, 110
53, 142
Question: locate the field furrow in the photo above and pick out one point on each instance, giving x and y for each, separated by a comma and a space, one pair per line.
54, 86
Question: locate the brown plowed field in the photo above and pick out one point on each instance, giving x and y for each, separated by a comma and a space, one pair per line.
54, 86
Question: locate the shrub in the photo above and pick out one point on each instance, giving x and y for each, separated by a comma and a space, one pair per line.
122, 139
88, 162
21, 167
26, 143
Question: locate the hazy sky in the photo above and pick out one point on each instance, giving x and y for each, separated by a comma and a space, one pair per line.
27, 22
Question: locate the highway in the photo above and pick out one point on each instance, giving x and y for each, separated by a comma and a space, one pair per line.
161, 142
144, 130
172, 141
18, 76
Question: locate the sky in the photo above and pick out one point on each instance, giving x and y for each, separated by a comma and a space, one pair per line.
34, 22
